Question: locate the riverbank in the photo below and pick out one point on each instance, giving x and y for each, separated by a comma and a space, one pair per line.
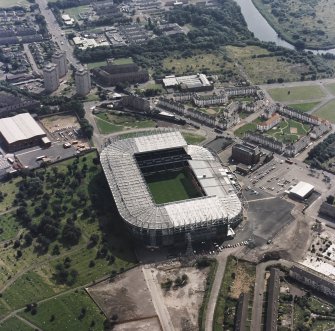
316, 32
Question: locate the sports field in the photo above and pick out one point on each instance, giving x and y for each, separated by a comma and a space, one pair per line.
171, 186
327, 111
296, 93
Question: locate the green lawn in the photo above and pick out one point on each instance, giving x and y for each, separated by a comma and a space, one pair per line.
15, 324
192, 138
65, 313
327, 111
75, 11
304, 107
123, 60
26, 289
282, 131
107, 127
298, 93
98, 64
8, 190
330, 87
9, 227
110, 123
171, 186
252, 127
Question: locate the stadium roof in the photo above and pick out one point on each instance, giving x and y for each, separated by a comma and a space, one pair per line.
134, 201
302, 189
19, 127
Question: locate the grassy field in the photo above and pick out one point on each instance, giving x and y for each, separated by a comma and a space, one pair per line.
298, 93
327, 111
293, 20
8, 227
171, 186
15, 324
284, 131
75, 11
252, 127
98, 64
11, 3
193, 138
212, 62
239, 278
330, 88
35, 270
110, 123
261, 69
304, 107
123, 60
73, 311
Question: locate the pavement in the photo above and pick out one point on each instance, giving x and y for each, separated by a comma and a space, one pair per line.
256, 317
157, 300
222, 261
56, 32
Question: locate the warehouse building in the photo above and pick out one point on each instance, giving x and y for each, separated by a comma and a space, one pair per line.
301, 191
192, 83
21, 131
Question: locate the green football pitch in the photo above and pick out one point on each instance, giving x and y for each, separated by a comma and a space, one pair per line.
171, 186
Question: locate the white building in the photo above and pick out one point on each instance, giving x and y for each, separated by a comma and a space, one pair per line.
51, 77
59, 58
301, 190
83, 81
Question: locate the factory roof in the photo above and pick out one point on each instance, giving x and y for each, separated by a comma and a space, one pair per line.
19, 127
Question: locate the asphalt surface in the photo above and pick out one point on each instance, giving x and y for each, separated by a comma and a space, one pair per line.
56, 32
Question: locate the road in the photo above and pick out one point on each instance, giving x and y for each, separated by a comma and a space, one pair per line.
256, 317
56, 32
31, 60
157, 299
222, 260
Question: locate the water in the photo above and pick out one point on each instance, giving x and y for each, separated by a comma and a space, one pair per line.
263, 30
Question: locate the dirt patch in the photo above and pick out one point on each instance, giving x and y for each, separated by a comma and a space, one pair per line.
65, 128
244, 279
127, 296
293, 130
148, 324
183, 303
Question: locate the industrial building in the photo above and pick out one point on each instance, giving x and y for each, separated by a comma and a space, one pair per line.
59, 58
192, 83
21, 131
246, 153
112, 74
83, 81
127, 161
51, 77
301, 191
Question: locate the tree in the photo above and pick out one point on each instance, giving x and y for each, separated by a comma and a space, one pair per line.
330, 199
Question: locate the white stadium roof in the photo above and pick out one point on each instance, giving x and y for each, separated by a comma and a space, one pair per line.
19, 127
302, 189
134, 201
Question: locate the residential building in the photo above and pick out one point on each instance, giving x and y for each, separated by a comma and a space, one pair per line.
313, 279
273, 302
270, 123
59, 58
242, 313
51, 77
83, 81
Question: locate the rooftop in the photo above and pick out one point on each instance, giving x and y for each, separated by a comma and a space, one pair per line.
19, 127
302, 189
134, 200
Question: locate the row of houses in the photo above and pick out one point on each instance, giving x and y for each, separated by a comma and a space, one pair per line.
226, 119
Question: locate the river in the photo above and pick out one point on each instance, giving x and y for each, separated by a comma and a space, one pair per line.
263, 30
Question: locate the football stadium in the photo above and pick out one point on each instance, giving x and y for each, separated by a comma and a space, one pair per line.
166, 190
